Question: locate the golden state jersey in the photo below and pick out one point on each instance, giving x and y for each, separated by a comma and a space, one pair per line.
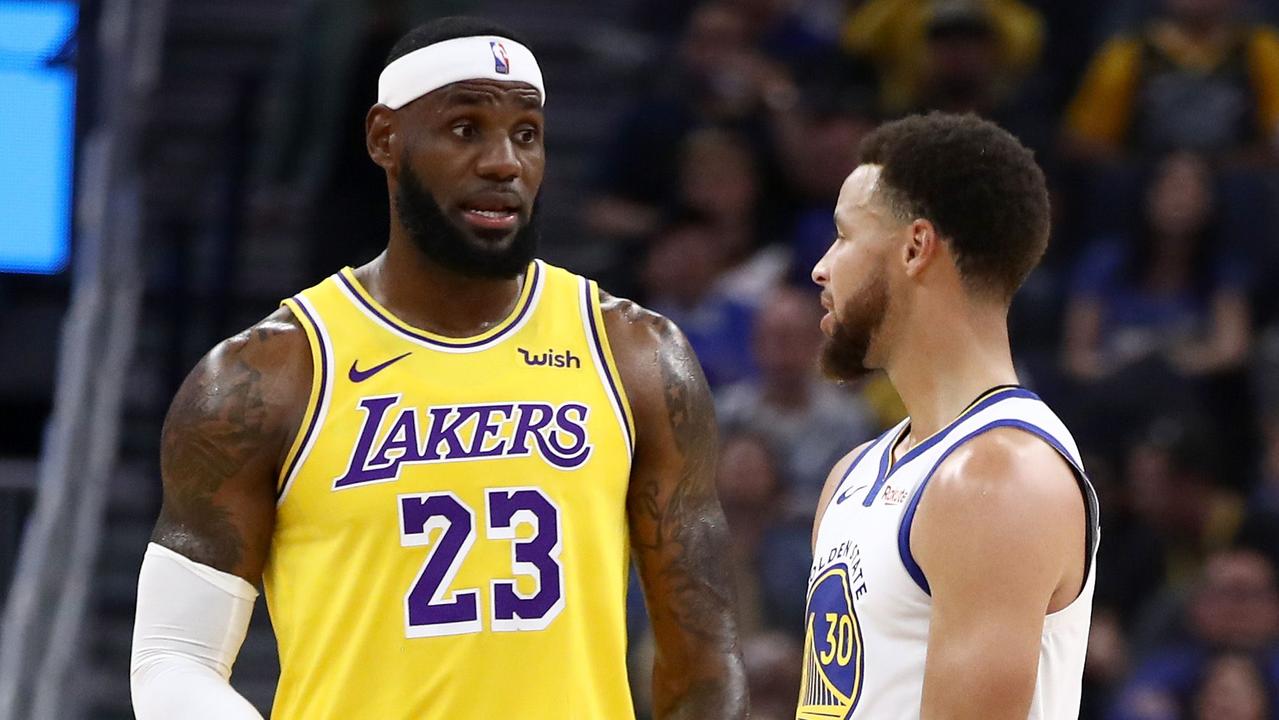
869, 602
451, 535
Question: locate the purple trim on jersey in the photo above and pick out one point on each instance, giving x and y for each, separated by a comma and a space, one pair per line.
849, 472
908, 518
319, 401
885, 472
603, 359
466, 345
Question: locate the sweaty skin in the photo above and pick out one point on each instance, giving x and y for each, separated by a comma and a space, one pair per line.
231, 423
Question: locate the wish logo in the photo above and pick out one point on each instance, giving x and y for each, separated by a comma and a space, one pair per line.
550, 358
393, 436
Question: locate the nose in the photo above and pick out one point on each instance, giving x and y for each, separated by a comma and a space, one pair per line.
821, 271
498, 161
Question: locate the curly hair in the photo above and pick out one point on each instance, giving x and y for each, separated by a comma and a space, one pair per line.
977, 184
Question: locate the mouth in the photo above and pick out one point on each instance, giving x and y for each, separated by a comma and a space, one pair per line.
828, 320
492, 211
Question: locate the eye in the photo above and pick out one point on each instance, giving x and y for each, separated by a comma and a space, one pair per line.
526, 135
464, 129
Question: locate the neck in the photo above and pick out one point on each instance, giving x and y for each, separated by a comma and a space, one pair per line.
939, 368
427, 295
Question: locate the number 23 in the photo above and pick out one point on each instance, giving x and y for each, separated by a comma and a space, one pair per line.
431, 610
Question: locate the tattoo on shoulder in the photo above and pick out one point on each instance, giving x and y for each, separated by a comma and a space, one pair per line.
681, 524
216, 426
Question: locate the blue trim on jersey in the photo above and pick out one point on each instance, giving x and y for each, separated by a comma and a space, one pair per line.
885, 472
908, 518
849, 472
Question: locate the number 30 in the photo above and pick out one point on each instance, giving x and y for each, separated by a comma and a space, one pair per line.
432, 610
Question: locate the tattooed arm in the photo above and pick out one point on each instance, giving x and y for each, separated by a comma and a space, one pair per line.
223, 441
224, 438
678, 533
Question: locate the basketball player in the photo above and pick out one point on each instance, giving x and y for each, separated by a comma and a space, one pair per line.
435, 462
953, 555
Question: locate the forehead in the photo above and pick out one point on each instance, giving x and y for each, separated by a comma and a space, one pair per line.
858, 191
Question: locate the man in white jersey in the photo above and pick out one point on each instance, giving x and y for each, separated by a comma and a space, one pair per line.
953, 555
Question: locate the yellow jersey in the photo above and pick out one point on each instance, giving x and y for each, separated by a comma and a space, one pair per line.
451, 533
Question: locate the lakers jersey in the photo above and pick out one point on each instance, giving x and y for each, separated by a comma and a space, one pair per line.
869, 607
451, 533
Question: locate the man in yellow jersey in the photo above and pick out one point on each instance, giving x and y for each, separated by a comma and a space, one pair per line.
441, 463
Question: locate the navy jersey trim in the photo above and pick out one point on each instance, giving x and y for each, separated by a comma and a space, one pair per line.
510, 325
849, 472
886, 472
311, 324
590, 296
1091, 513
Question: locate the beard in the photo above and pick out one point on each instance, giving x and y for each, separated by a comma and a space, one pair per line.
444, 242
843, 357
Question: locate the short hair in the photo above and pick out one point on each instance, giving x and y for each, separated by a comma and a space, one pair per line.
977, 184
447, 28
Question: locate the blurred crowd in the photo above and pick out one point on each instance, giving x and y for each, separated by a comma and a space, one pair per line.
1152, 326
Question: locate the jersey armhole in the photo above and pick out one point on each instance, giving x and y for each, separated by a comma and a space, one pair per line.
318, 399
597, 338
1091, 511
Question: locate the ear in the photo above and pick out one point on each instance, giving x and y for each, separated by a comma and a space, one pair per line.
922, 246
381, 137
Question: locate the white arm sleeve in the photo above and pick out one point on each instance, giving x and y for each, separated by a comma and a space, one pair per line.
190, 624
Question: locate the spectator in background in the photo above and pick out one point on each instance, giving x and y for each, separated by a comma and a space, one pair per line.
1234, 608
773, 662
720, 180
1195, 78
769, 553
808, 423
819, 144
718, 78
1233, 687
961, 73
679, 278
798, 33
1154, 315
893, 33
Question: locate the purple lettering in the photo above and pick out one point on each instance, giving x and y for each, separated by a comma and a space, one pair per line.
444, 430
486, 427
401, 443
357, 471
553, 451
533, 418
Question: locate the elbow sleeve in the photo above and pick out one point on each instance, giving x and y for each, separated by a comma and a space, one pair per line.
191, 620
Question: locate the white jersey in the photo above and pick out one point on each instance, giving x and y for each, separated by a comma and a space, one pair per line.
869, 608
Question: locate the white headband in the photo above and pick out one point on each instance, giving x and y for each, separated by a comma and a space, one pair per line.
485, 57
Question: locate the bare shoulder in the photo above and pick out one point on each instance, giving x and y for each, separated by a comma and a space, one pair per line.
1006, 463
1005, 500
658, 366
634, 329
225, 434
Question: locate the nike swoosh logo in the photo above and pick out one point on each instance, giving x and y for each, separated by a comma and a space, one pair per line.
849, 493
357, 375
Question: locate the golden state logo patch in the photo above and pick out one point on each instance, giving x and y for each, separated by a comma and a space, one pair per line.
833, 658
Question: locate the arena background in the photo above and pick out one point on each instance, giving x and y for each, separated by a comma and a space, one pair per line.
169, 169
